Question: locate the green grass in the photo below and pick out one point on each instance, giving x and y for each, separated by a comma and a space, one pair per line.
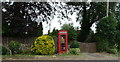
17, 56
27, 56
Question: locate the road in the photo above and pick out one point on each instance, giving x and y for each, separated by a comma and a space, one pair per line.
85, 57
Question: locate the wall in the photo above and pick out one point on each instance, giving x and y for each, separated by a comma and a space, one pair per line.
87, 47
27, 40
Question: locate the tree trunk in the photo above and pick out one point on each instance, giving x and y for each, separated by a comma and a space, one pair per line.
85, 27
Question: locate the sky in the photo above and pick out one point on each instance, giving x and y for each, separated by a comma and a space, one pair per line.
56, 24
55, 21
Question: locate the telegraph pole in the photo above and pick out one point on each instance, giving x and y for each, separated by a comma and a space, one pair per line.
107, 8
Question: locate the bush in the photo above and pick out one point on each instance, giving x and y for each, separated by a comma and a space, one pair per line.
25, 51
43, 45
75, 51
106, 32
4, 50
74, 44
113, 51
14, 46
66, 53
102, 44
72, 51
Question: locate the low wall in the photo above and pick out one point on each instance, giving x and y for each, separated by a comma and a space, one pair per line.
87, 47
25, 40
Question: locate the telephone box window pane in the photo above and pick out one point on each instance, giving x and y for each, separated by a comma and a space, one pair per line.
63, 32
62, 47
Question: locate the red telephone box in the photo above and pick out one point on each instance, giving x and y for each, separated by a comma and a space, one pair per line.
62, 41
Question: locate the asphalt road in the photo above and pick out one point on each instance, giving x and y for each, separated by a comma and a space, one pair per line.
60, 61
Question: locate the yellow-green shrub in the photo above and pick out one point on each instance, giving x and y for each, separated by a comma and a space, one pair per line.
43, 45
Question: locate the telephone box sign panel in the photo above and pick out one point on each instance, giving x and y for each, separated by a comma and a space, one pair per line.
63, 32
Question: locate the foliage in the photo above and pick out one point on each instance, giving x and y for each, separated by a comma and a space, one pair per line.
113, 51
25, 52
102, 44
106, 32
43, 45
66, 53
4, 50
72, 51
14, 46
90, 37
74, 44
72, 35
39, 30
118, 40
118, 27
75, 51
53, 33
89, 16
22, 20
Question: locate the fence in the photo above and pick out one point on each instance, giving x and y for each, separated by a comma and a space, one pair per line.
88, 47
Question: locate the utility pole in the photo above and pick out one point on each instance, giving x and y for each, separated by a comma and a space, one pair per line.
50, 25
107, 8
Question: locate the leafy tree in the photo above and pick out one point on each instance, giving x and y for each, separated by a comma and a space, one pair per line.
91, 37
90, 12
20, 18
53, 33
118, 26
72, 35
106, 32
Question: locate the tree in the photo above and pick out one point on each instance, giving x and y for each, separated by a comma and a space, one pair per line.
118, 26
89, 16
72, 35
19, 18
90, 13
54, 33
106, 33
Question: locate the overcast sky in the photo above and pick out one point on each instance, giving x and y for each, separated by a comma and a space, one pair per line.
56, 24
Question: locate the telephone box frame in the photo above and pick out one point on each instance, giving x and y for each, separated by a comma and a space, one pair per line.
65, 34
